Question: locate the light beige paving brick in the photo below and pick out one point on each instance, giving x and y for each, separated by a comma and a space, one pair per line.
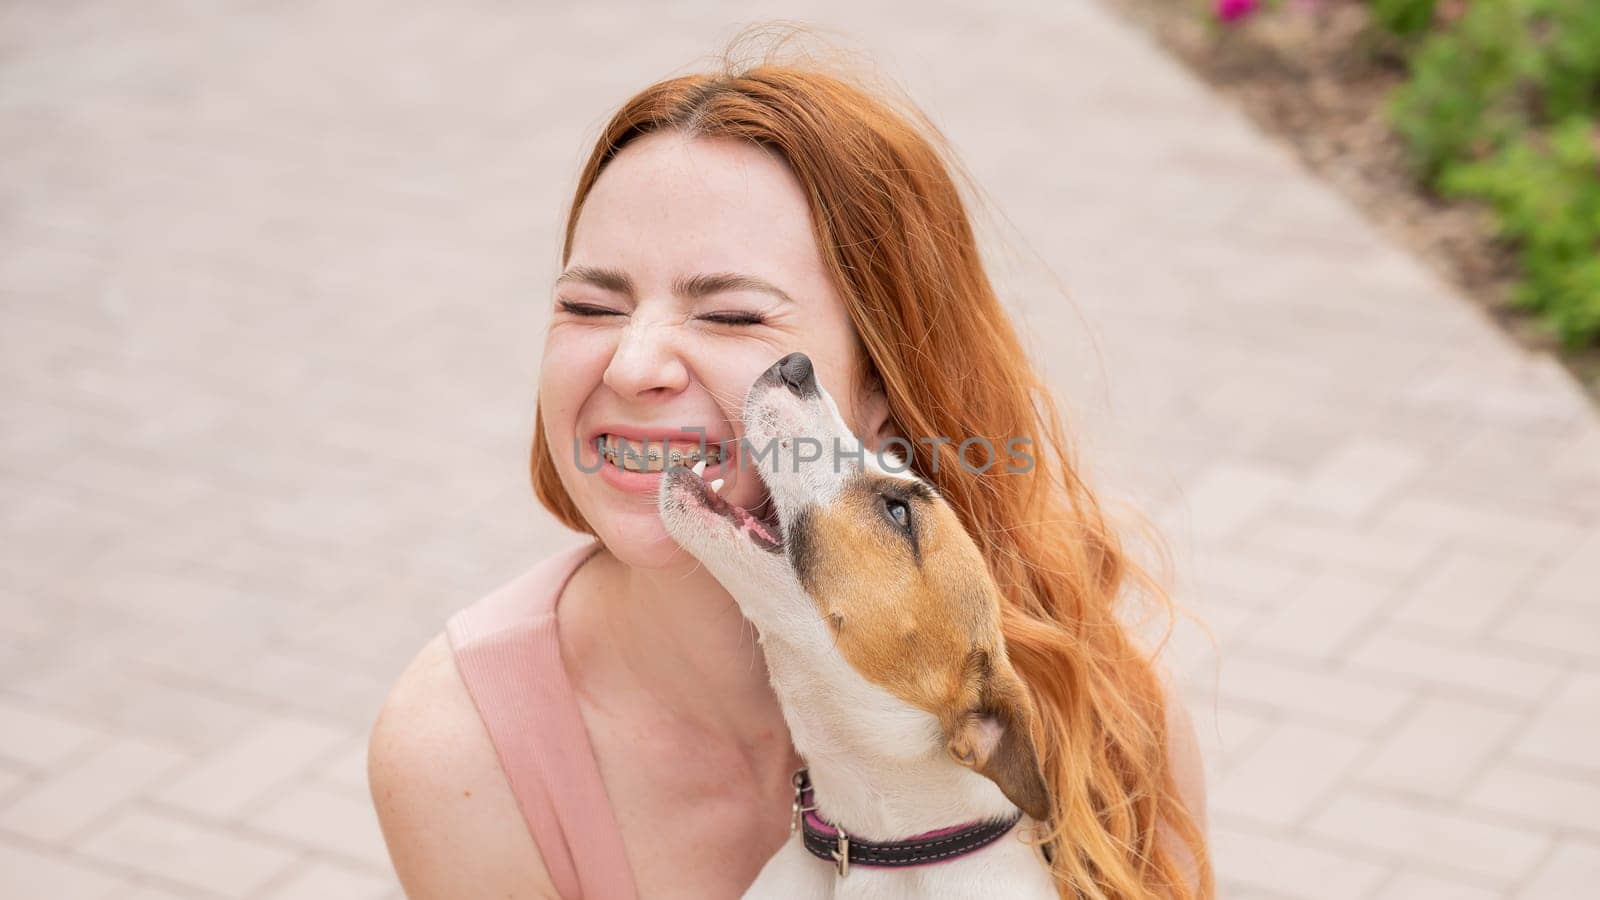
1243, 579
1513, 404
1439, 747
1473, 670
1551, 801
29, 873
1236, 890
37, 739
131, 478
27, 624
327, 818
1286, 774
1564, 632
263, 760
328, 687
1572, 871
1383, 549
1227, 497
9, 781
1354, 701
347, 769
1320, 618
319, 880
1291, 867
1568, 729
1420, 886
1490, 469
62, 804
1512, 535
170, 848
104, 689
1356, 476
1574, 579
147, 892
1494, 854
1464, 593
1583, 450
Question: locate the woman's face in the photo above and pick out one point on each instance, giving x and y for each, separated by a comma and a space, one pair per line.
693, 269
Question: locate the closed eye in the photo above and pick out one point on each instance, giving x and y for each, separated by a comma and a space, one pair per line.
586, 309
735, 318
721, 318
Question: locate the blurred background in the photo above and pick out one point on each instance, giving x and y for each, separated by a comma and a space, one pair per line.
272, 279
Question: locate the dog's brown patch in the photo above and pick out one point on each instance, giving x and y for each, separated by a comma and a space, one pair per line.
919, 615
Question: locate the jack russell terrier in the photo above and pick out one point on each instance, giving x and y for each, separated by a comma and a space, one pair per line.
881, 629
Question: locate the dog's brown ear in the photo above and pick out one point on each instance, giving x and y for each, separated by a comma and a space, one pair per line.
993, 739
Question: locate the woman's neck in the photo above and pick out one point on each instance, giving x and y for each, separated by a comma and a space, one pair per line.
675, 639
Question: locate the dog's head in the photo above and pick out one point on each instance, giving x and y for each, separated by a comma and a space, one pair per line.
859, 562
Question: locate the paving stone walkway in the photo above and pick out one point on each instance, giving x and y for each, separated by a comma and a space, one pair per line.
271, 281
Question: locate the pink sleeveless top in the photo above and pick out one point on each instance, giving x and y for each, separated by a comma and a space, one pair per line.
507, 652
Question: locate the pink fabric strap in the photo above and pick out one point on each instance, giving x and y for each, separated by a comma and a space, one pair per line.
508, 652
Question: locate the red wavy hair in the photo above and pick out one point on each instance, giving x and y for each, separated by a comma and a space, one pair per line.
896, 238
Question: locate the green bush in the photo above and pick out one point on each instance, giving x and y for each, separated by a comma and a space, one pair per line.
1502, 107
1546, 192
1407, 18
1462, 99
1565, 72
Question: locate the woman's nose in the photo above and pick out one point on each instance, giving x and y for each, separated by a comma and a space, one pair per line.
646, 360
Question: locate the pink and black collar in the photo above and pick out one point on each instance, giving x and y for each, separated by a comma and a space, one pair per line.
830, 842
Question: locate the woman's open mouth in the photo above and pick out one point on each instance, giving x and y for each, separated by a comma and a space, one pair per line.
765, 531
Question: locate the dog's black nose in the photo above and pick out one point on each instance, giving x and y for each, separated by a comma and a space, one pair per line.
795, 372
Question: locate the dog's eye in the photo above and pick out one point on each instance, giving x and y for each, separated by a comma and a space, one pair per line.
898, 511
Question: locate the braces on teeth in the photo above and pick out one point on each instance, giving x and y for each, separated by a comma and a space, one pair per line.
649, 459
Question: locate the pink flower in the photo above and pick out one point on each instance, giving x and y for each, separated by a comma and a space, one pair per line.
1234, 10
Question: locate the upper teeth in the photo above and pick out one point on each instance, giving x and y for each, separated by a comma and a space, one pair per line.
650, 457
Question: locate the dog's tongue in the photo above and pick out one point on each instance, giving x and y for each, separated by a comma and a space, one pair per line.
758, 525
751, 522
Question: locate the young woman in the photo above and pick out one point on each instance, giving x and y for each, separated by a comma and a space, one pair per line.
603, 725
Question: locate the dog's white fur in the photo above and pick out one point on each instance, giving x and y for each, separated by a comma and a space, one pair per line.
878, 765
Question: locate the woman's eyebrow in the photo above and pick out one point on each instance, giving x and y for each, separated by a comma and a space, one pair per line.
608, 279
717, 282
692, 286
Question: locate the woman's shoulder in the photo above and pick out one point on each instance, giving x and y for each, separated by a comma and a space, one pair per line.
444, 801
445, 806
